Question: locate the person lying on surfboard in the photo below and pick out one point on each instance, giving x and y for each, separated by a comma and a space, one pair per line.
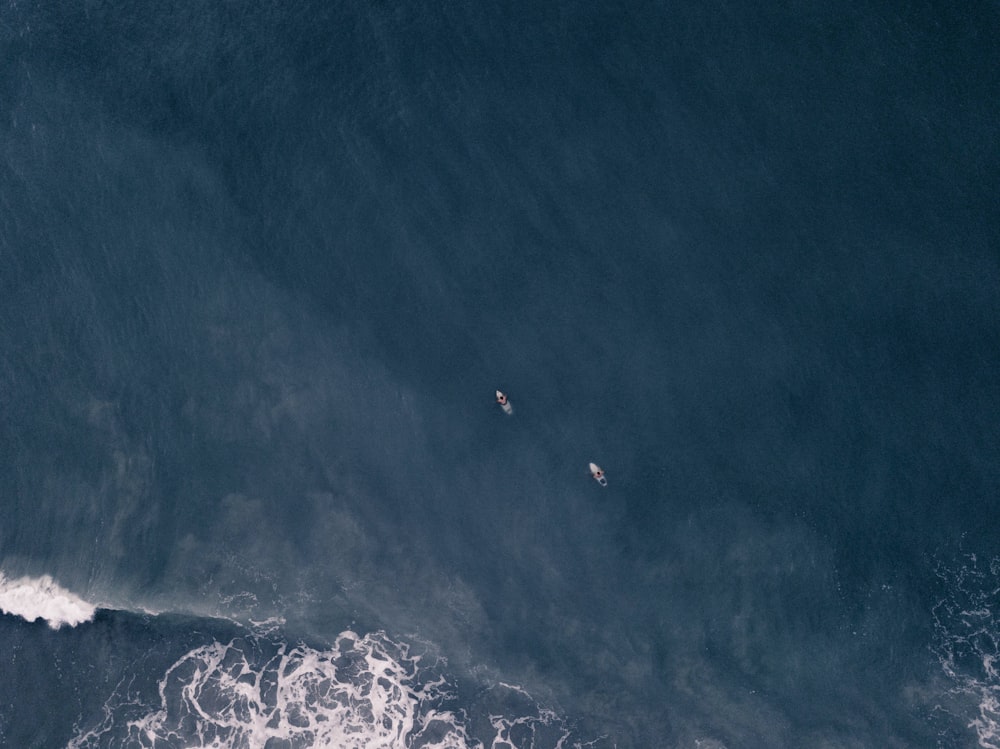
598, 473
504, 403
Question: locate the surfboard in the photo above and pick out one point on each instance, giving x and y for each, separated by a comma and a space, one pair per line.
598, 474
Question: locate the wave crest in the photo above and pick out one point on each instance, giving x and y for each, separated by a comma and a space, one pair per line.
34, 598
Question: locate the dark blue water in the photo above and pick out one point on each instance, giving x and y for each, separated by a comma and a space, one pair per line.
263, 267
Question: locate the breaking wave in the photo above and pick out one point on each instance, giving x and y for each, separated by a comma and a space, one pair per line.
364, 692
34, 598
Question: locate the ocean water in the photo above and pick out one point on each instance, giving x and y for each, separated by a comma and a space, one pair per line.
263, 266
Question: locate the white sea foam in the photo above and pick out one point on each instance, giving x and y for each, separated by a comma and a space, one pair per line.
34, 598
967, 641
253, 693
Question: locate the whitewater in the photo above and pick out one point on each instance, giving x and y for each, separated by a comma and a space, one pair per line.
42, 598
258, 691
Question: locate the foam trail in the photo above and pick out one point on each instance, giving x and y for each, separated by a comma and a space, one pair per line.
42, 598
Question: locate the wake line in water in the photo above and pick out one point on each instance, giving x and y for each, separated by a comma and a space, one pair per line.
34, 598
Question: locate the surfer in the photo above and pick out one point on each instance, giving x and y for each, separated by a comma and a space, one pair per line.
504, 404
598, 473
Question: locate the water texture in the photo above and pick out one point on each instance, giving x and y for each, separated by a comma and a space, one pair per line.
263, 267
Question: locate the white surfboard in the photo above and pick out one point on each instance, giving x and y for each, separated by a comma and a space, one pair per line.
504, 403
598, 474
